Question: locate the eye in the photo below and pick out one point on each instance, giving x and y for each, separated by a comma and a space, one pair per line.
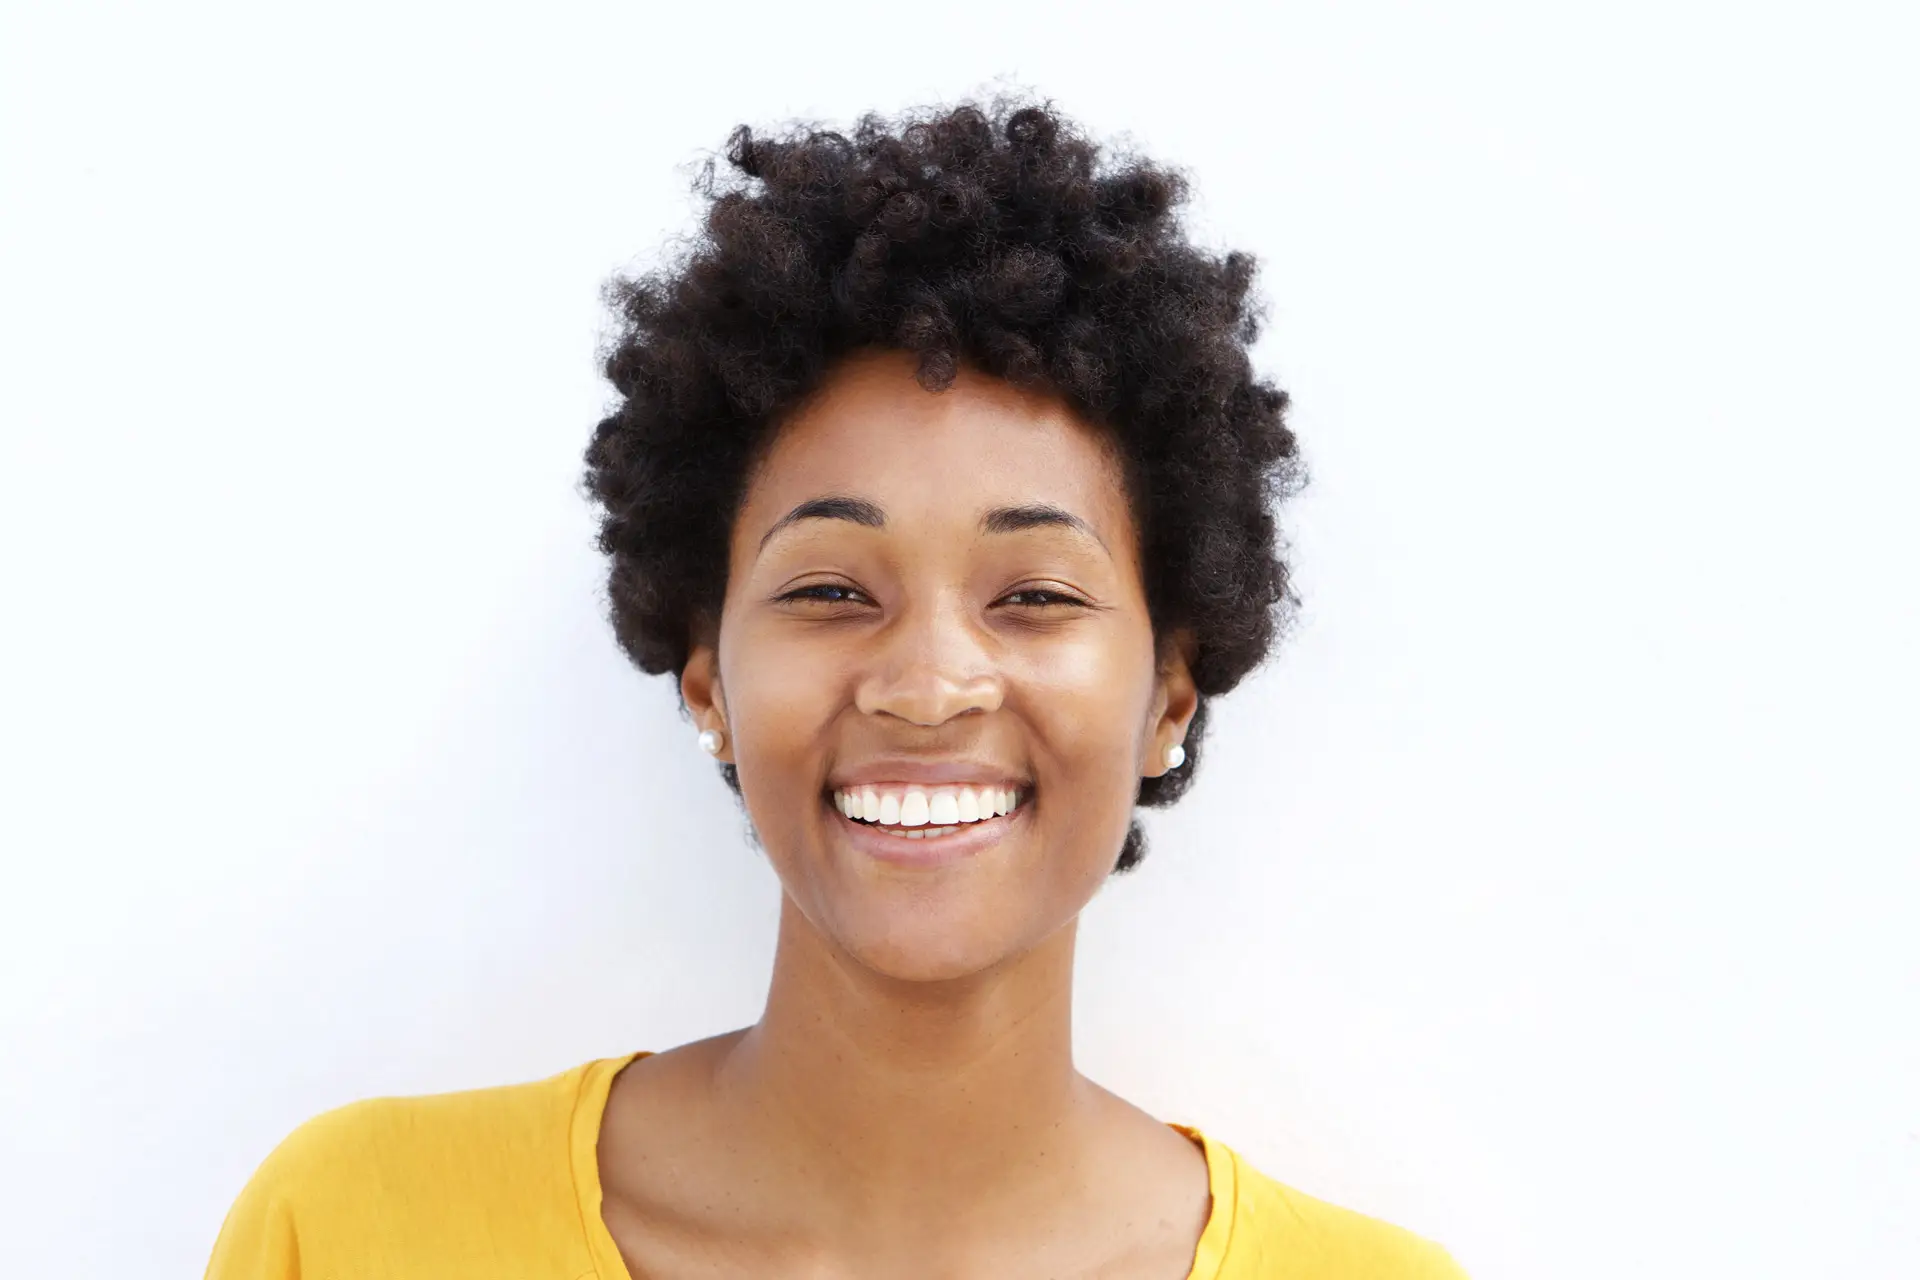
1040, 598
824, 593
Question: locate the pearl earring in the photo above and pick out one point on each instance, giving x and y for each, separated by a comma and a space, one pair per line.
711, 741
1176, 756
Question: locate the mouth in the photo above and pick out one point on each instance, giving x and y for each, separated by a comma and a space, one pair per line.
925, 813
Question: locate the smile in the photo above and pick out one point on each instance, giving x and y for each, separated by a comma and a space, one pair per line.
923, 813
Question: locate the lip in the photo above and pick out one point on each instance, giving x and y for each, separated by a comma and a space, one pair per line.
970, 841
927, 773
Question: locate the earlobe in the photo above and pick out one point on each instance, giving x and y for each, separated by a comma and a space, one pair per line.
1175, 700
705, 701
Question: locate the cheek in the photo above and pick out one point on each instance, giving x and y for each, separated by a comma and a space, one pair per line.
1088, 697
778, 708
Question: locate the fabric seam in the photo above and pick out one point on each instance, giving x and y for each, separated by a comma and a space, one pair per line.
1233, 1207
573, 1173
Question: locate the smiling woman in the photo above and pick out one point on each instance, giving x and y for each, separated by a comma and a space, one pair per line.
942, 483
929, 595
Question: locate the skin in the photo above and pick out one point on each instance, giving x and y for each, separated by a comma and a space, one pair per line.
908, 1104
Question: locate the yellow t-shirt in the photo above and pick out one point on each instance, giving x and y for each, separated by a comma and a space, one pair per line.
504, 1184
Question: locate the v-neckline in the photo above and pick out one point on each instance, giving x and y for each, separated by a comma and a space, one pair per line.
590, 1109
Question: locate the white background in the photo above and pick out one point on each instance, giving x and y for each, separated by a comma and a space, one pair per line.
1554, 891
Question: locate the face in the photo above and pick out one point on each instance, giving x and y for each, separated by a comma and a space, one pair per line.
934, 612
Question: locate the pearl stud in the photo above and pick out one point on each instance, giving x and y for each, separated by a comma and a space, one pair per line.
711, 741
1176, 756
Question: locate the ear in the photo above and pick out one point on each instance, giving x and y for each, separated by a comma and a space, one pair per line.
705, 700
1175, 698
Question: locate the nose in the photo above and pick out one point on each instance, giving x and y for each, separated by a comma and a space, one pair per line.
929, 666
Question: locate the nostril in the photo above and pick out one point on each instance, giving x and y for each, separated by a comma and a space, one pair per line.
927, 695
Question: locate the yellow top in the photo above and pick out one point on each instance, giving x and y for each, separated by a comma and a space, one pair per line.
504, 1184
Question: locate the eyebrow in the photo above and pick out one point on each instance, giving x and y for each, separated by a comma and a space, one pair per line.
858, 510
1037, 515
1033, 515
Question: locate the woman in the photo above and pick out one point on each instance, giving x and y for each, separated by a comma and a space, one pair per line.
943, 484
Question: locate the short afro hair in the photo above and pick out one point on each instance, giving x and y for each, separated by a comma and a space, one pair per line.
997, 235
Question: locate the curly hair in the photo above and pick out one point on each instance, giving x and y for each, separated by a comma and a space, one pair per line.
1000, 236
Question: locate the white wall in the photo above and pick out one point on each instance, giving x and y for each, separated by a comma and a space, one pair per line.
1552, 893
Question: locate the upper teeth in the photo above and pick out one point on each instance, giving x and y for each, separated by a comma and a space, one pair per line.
921, 807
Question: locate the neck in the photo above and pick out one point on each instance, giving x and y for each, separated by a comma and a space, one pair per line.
892, 1089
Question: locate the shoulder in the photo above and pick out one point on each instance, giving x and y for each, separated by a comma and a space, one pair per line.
1279, 1231
515, 1121
467, 1140
426, 1175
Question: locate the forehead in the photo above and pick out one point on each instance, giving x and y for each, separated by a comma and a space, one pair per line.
874, 432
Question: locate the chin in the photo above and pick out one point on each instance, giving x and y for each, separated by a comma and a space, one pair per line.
918, 945
932, 911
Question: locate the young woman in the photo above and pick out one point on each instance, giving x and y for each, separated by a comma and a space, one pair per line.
942, 483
